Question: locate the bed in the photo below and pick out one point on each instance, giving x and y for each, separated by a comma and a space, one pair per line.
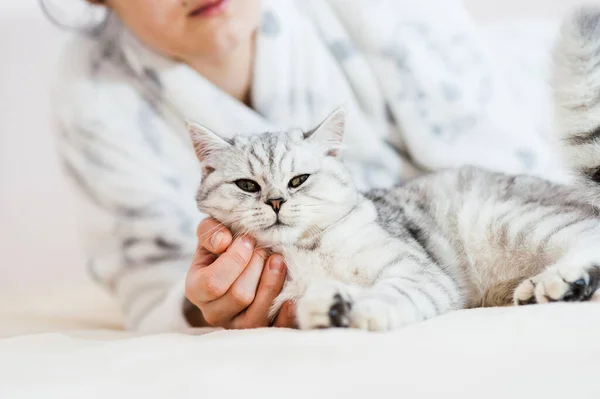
69, 343
62, 337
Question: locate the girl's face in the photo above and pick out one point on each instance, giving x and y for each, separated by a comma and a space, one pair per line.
190, 29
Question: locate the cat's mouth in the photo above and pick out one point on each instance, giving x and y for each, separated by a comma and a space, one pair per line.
277, 225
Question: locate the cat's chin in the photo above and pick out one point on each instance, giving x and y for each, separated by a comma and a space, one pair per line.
278, 234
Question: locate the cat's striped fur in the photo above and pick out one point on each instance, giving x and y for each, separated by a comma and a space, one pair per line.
450, 240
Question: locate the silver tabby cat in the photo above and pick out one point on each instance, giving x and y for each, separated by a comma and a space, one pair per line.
455, 239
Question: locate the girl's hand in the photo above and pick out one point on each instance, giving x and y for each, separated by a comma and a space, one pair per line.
232, 283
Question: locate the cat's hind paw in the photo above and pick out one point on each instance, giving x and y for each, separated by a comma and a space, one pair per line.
560, 284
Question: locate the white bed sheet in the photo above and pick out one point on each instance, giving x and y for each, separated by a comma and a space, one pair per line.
65, 348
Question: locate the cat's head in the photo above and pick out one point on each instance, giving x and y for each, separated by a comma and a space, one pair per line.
277, 187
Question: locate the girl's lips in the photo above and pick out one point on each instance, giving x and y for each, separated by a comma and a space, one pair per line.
209, 8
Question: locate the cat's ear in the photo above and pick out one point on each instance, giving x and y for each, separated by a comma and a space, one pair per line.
330, 133
205, 140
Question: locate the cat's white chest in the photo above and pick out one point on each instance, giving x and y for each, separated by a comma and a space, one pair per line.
306, 266
352, 255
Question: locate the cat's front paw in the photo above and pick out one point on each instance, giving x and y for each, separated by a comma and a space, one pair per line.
560, 284
333, 304
377, 314
325, 305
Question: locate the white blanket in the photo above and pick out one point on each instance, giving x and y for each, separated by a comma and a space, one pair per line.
549, 351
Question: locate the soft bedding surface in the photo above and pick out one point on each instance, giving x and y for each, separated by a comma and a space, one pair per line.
78, 351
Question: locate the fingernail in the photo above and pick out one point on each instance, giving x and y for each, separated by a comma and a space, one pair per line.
276, 265
247, 241
216, 240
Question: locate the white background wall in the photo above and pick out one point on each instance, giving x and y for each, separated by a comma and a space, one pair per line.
37, 236
37, 230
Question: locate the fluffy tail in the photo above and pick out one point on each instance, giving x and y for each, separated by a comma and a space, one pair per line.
577, 91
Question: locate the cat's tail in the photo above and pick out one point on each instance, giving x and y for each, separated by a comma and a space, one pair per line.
577, 95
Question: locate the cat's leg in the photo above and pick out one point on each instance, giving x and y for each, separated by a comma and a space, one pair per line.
408, 291
574, 278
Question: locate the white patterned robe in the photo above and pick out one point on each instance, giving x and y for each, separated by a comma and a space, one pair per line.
425, 90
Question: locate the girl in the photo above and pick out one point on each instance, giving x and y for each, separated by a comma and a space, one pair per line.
423, 88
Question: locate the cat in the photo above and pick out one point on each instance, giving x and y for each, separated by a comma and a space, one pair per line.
450, 240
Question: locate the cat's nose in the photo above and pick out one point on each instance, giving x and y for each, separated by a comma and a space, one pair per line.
275, 203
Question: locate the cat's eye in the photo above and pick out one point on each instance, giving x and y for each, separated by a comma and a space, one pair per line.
249, 186
297, 181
